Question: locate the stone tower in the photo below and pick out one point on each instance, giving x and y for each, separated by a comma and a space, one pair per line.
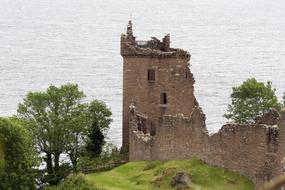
156, 78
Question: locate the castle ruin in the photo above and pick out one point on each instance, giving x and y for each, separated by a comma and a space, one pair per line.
162, 119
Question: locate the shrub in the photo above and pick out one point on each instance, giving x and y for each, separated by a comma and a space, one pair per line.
74, 182
16, 172
109, 158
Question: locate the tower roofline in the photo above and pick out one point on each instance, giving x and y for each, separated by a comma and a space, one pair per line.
151, 48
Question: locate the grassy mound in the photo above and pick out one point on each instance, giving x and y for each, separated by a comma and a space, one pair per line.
157, 175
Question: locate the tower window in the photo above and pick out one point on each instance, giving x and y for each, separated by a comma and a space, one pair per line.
151, 75
163, 98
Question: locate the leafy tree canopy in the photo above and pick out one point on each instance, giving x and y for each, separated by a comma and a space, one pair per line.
52, 118
16, 172
61, 124
251, 99
100, 119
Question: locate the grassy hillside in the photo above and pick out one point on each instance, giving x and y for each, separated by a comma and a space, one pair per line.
157, 175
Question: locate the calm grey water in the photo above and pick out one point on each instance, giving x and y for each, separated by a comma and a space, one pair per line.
46, 42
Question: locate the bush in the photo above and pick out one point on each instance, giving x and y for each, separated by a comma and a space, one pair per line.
109, 158
1, 154
74, 182
16, 172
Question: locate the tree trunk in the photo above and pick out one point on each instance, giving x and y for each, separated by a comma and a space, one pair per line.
73, 160
48, 160
51, 177
56, 163
57, 175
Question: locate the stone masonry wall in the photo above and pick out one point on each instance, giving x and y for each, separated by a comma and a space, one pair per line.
249, 149
172, 76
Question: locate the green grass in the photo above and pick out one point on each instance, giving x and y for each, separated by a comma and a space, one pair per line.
157, 175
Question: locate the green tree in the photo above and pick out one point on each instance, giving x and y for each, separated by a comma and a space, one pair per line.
16, 172
76, 139
251, 99
52, 118
61, 124
99, 122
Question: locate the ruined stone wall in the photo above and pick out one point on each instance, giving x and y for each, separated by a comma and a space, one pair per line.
140, 146
180, 137
249, 149
279, 163
177, 129
176, 137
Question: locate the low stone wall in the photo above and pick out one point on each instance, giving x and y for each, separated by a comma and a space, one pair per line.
249, 149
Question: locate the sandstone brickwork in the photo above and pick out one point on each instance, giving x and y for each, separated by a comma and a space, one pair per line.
155, 129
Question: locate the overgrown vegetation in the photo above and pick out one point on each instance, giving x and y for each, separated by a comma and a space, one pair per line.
100, 121
74, 182
16, 171
51, 125
56, 120
61, 123
158, 175
251, 99
107, 160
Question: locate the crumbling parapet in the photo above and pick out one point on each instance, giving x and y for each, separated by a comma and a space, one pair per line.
153, 48
281, 126
197, 120
130, 35
141, 141
166, 43
270, 117
279, 168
